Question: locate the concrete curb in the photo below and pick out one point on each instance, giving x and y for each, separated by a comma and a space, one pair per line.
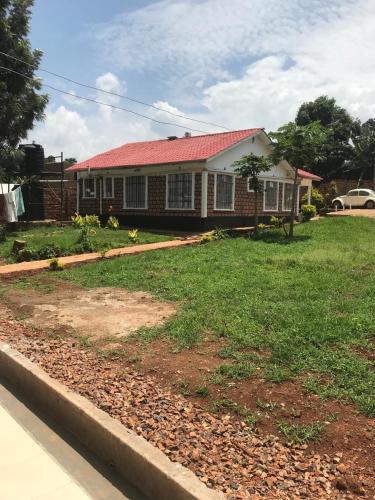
135, 460
73, 260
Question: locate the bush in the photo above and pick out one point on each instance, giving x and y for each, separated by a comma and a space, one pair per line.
55, 265
46, 252
220, 234
206, 238
317, 199
85, 243
80, 221
113, 223
3, 234
308, 212
133, 235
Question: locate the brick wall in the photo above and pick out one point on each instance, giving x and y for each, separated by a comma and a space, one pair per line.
156, 199
52, 200
345, 185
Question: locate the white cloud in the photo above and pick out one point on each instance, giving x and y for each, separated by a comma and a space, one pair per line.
296, 50
197, 40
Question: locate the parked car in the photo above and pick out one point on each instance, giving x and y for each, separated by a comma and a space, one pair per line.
364, 198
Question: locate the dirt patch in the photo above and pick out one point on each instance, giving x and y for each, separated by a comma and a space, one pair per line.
97, 313
357, 212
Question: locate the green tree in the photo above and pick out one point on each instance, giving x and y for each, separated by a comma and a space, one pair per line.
20, 103
250, 167
301, 147
363, 160
340, 126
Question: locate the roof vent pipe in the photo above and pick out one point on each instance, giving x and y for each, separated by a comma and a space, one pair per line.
187, 135
172, 137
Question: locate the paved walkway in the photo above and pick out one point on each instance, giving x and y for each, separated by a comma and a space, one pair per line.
71, 260
37, 464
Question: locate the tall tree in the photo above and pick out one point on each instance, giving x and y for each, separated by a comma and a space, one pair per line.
363, 160
340, 126
250, 167
21, 105
301, 147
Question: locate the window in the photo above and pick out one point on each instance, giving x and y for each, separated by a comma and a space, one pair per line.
363, 193
89, 188
354, 192
180, 188
135, 191
287, 197
224, 192
108, 191
271, 196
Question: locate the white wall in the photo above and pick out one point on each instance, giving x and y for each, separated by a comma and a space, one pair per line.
261, 146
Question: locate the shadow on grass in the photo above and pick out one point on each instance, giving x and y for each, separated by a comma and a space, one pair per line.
280, 238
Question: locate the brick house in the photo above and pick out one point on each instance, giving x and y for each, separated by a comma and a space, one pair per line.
184, 183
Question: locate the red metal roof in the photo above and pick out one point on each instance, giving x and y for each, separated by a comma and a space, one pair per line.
186, 149
308, 175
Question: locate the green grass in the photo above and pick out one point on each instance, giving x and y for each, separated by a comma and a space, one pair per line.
302, 433
294, 309
67, 239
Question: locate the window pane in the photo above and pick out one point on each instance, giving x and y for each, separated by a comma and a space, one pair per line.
288, 195
89, 188
270, 195
224, 192
135, 192
108, 187
180, 190
363, 193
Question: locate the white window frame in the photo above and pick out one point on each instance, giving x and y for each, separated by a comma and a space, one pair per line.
145, 207
167, 207
113, 188
233, 192
277, 195
84, 197
283, 200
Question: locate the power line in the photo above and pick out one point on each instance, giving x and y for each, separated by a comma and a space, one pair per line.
105, 103
113, 93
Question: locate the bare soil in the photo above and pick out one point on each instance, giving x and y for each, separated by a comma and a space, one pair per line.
97, 313
348, 439
357, 212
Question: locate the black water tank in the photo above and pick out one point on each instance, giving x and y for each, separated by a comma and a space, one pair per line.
33, 162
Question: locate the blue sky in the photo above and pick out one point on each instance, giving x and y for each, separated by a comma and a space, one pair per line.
242, 63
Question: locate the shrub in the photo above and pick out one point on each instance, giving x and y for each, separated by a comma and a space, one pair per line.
133, 235
113, 223
3, 235
220, 234
26, 255
206, 238
46, 252
317, 199
308, 212
55, 265
85, 242
80, 221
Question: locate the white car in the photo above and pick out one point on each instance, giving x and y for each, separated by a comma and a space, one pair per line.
356, 198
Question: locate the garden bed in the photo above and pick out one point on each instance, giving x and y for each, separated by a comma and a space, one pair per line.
46, 242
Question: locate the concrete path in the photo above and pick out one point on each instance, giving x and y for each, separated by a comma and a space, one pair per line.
71, 260
36, 463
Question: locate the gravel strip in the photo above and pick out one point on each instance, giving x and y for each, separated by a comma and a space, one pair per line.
221, 451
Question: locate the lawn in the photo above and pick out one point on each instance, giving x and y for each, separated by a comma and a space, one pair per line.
300, 310
66, 238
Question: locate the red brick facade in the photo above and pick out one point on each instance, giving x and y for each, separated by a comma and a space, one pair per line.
244, 204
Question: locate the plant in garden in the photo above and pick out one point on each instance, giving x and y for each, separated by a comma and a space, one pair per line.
113, 223
56, 265
250, 167
220, 233
301, 147
308, 212
88, 220
84, 240
278, 223
133, 235
77, 220
317, 199
3, 234
207, 238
